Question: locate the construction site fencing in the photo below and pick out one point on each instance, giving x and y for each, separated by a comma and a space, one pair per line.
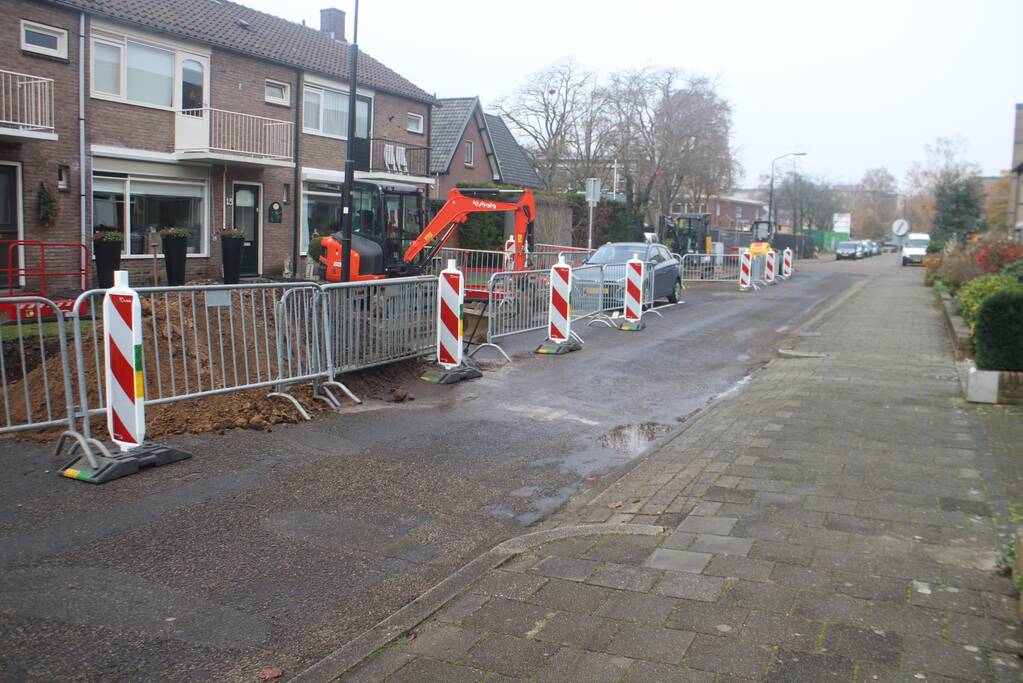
613, 285
518, 302
710, 267
370, 324
587, 291
757, 268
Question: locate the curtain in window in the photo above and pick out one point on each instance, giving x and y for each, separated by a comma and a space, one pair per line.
335, 113
311, 109
150, 75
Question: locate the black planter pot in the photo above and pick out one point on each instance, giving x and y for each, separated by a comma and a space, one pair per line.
108, 259
231, 251
174, 251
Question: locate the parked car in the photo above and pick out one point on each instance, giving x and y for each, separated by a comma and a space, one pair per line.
667, 277
875, 248
914, 249
849, 250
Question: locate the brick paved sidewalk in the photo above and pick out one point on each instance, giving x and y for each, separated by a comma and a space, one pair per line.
829, 523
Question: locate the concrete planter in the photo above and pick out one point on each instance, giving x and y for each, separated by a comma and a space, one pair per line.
962, 337
993, 386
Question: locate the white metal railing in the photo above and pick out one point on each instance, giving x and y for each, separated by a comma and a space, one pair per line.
26, 102
231, 132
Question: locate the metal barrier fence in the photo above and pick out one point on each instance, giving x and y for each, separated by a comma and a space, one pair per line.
757, 268
710, 267
587, 291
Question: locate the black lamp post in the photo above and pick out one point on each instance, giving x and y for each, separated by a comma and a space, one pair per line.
347, 194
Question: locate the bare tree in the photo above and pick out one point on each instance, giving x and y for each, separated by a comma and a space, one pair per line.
874, 204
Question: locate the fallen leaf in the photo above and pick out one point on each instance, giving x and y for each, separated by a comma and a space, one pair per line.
616, 505
271, 674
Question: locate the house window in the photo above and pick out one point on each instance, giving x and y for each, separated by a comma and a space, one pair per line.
325, 112
131, 70
139, 205
414, 123
468, 153
738, 212
278, 93
43, 39
321, 210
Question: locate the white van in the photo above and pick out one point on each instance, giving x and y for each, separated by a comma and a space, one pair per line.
914, 249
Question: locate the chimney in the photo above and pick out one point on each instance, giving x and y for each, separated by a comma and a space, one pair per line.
332, 21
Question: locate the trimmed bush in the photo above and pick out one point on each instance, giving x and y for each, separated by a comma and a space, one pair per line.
993, 256
971, 295
998, 335
931, 264
1014, 269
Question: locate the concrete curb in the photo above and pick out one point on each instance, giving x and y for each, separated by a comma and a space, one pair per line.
341, 660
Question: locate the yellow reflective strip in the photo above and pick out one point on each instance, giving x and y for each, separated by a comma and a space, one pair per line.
140, 386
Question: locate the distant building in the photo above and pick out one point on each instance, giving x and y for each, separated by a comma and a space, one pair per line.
1016, 185
727, 213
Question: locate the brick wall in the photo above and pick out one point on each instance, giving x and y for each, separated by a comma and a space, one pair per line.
458, 172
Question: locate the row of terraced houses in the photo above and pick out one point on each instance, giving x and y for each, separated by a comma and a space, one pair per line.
135, 115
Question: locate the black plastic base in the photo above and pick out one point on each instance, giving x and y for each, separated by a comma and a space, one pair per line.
436, 374
552, 348
122, 464
632, 325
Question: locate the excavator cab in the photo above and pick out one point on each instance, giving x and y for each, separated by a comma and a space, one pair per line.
691, 231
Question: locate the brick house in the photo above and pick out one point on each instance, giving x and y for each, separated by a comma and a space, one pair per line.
134, 115
470, 146
727, 213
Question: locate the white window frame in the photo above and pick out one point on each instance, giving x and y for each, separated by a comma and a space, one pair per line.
286, 100
204, 236
422, 123
303, 249
469, 155
120, 39
59, 33
321, 89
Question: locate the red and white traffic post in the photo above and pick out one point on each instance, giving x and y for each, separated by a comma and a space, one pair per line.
786, 263
771, 260
450, 299
635, 272
560, 338
745, 271
122, 344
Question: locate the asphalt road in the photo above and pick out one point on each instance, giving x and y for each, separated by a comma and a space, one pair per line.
271, 549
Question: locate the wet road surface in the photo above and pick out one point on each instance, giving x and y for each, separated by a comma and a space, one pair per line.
272, 549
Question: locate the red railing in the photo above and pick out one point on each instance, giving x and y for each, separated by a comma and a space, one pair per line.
16, 271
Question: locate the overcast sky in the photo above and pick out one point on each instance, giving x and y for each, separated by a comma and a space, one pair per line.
854, 84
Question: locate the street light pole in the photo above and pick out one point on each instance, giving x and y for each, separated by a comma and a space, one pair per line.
347, 193
770, 199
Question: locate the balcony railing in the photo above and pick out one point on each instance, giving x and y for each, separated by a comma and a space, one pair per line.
391, 156
233, 134
26, 102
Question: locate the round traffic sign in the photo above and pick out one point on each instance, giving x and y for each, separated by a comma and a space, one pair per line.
900, 227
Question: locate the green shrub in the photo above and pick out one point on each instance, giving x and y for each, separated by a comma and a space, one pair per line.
971, 295
1014, 269
998, 335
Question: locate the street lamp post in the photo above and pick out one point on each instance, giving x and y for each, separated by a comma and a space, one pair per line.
347, 192
770, 199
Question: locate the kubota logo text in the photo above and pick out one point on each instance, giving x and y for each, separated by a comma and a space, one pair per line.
483, 205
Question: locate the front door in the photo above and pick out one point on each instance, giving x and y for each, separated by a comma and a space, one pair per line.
10, 208
248, 219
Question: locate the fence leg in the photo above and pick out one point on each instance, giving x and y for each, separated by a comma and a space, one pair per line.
294, 401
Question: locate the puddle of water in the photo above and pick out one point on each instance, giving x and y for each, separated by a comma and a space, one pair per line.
632, 439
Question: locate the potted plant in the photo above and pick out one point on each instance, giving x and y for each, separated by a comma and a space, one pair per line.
175, 248
232, 241
313, 252
106, 246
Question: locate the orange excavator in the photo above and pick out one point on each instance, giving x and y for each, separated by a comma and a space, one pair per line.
379, 245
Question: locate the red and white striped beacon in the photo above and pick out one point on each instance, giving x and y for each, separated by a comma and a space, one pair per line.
559, 312
786, 263
745, 271
635, 270
450, 297
509, 254
122, 344
769, 265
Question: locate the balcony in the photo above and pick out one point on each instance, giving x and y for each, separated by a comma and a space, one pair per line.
391, 158
209, 134
26, 107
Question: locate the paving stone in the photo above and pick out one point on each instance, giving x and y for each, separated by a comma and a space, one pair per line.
728, 545
508, 616
570, 568
580, 665
950, 598
708, 525
831, 606
725, 495
784, 631
691, 586
854, 525
680, 540
624, 577
765, 531
944, 658
623, 549
873, 587
515, 657
792, 516
727, 655
569, 596
442, 641
782, 552
462, 607
567, 547
886, 511
379, 667
905, 619
760, 596
734, 566
678, 560
421, 670
706, 509
706, 617
801, 577
836, 560
868, 672
990, 633
521, 563
779, 500
874, 645
651, 643
844, 506
921, 570
577, 630
509, 585
640, 607
1005, 667
789, 666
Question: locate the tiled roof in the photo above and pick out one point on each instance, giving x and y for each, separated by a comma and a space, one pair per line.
236, 27
447, 125
516, 168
